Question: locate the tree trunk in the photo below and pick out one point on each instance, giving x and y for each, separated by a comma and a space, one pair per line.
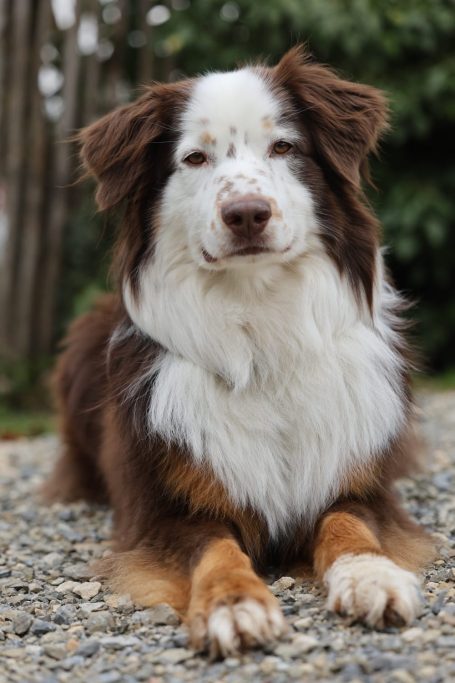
28, 299
63, 176
18, 100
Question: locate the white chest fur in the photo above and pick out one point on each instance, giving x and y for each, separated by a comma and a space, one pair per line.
280, 395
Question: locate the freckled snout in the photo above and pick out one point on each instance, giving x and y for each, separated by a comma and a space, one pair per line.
246, 217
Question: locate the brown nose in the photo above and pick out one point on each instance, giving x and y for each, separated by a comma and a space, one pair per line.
246, 217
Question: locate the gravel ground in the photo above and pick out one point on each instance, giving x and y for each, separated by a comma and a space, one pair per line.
57, 624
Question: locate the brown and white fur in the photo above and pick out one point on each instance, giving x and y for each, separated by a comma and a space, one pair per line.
242, 401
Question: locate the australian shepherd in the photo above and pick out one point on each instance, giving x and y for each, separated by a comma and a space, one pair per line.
242, 401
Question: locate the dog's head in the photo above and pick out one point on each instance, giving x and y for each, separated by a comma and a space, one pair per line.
242, 169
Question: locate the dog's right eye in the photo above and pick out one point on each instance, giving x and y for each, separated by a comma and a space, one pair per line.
195, 159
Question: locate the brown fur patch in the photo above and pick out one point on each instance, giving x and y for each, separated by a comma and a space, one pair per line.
267, 123
146, 579
207, 138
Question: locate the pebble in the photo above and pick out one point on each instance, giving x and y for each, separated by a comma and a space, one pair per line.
87, 590
162, 614
22, 623
176, 654
99, 622
52, 559
65, 615
55, 651
40, 627
301, 644
411, 635
282, 584
88, 649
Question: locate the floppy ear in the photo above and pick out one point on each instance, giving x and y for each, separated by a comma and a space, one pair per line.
118, 148
345, 118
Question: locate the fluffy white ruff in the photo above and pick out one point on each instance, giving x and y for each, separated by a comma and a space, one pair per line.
373, 589
232, 628
279, 383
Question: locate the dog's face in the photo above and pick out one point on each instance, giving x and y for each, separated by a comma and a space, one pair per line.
241, 169
236, 193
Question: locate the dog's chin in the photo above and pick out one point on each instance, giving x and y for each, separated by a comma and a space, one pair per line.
244, 256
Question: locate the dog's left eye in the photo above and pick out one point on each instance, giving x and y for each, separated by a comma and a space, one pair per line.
281, 147
195, 159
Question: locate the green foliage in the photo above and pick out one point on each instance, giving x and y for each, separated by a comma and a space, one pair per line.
15, 423
402, 46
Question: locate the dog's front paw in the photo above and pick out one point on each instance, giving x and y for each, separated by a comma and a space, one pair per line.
373, 589
232, 626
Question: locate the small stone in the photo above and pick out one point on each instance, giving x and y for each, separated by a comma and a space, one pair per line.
88, 649
99, 621
66, 587
87, 608
75, 571
40, 627
412, 634
231, 662
52, 560
22, 623
351, 672
65, 615
87, 590
402, 676
303, 624
71, 662
13, 652
122, 603
176, 654
72, 644
107, 677
163, 614
55, 651
301, 644
119, 642
5, 572
282, 584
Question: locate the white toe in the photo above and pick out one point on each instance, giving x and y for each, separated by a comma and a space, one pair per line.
245, 623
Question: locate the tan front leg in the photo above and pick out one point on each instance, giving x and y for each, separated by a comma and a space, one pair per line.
230, 608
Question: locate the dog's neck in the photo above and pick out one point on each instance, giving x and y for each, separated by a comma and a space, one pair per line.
245, 326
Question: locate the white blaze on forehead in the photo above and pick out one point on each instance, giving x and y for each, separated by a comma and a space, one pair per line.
234, 103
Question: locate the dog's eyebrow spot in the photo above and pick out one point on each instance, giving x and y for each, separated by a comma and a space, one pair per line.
233, 130
212, 226
207, 139
231, 153
267, 122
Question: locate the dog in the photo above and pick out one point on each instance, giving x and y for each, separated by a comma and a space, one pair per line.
243, 399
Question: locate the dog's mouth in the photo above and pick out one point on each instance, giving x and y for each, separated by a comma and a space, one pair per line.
245, 251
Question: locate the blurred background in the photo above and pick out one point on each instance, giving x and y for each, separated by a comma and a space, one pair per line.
63, 63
